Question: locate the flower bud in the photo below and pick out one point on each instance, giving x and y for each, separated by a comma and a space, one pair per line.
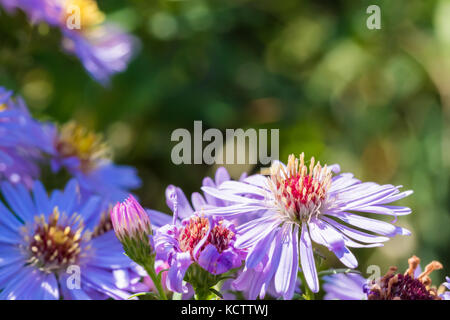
133, 228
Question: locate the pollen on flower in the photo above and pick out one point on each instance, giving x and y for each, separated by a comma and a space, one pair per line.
75, 141
88, 11
405, 286
197, 228
55, 243
299, 191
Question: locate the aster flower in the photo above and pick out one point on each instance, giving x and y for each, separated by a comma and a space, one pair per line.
414, 284
407, 286
21, 140
44, 238
103, 48
87, 158
299, 205
205, 242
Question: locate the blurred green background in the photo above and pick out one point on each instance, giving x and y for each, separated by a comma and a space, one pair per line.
375, 101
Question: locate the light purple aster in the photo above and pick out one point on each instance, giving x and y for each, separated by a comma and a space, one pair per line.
47, 240
298, 206
203, 240
103, 48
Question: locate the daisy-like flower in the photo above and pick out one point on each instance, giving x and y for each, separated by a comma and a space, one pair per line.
407, 286
21, 140
204, 241
414, 284
87, 158
298, 205
103, 48
48, 249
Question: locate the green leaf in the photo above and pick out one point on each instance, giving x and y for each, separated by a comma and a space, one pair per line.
217, 293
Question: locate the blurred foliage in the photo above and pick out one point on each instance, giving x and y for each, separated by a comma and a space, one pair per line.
375, 101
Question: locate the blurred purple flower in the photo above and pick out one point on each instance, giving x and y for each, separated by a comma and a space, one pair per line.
21, 140
86, 157
103, 48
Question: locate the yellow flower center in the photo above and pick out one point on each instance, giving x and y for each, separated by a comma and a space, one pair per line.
84, 12
55, 243
76, 141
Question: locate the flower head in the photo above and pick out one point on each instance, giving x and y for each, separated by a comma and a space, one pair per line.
298, 204
51, 236
87, 158
103, 48
204, 241
411, 285
133, 228
407, 286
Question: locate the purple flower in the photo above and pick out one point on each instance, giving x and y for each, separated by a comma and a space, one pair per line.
132, 227
21, 140
412, 285
205, 241
50, 247
87, 158
298, 205
104, 49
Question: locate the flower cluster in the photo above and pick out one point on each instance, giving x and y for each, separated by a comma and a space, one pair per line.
58, 244
254, 237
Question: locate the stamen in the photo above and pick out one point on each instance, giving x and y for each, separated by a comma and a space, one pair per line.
433, 265
403, 286
413, 264
299, 191
197, 228
53, 244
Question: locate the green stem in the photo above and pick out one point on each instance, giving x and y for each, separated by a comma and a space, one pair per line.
156, 280
308, 294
